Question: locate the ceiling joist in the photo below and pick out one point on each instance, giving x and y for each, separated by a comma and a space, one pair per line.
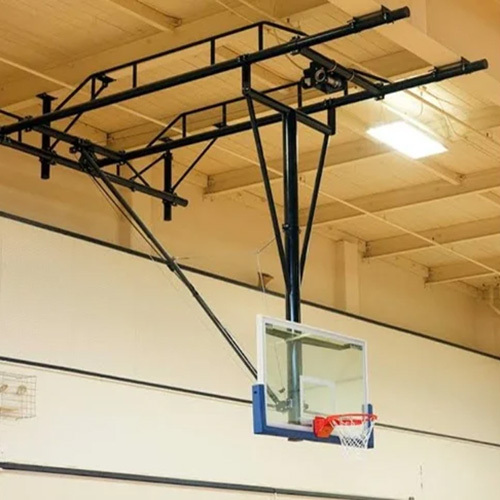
462, 271
404, 244
406, 197
250, 177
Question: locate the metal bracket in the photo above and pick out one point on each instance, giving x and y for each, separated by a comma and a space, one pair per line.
44, 162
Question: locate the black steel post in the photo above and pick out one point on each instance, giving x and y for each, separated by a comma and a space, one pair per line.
291, 226
167, 184
314, 198
292, 252
44, 162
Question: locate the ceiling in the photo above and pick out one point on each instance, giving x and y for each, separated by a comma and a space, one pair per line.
441, 213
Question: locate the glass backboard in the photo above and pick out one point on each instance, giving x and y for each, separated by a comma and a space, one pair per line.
304, 372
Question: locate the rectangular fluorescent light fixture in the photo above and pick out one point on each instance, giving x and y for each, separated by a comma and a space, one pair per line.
407, 139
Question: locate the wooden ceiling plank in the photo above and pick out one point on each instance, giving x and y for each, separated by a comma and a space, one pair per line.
70, 74
492, 197
74, 72
147, 14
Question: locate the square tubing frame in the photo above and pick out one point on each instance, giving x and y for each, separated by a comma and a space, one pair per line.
298, 43
436, 75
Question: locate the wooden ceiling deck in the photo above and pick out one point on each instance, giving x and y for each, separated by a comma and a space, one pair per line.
442, 213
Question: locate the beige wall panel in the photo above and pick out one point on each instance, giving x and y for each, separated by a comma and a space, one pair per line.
70, 302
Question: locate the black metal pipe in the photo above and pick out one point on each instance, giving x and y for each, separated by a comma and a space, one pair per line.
314, 202
147, 167
175, 481
75, 119
44, 162
267, 187
284, 108
64, 136
89, 164
137, 174
74, 141
74, 165
73, 92
356, 26
234, 100
167, 184
134, 64
180, 48
291, 225
222, 104
291, 230
195, 162
439, 74
346, 73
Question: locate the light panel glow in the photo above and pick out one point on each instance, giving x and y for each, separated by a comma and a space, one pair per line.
407, 139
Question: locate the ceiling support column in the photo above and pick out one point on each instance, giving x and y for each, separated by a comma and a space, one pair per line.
347, 259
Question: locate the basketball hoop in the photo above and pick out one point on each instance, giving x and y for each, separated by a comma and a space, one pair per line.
352, 429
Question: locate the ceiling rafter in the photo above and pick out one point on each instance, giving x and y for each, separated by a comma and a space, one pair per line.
406, 197
249, 177
404, 244
462, 271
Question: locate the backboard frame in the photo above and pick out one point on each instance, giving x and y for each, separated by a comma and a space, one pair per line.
295, 432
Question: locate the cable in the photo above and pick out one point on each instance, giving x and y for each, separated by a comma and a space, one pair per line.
159, 260
89, 164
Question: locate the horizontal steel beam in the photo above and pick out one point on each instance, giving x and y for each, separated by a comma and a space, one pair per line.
303, 118
74, 165
295, 45
437, 75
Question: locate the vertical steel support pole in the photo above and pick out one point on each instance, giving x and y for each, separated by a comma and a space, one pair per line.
46, 108
167, 184
292, 252
291, 226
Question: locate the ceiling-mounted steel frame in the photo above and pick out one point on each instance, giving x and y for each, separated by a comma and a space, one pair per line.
95, 159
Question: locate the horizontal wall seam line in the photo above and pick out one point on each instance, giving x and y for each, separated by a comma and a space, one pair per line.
438, 435
126, 380
213, 395
190, 483
225, 279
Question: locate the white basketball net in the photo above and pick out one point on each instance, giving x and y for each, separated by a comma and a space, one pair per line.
354, 433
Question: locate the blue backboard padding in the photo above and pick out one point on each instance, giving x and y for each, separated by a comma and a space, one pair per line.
260, 422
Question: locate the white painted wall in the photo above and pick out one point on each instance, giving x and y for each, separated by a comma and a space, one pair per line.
225, 236
70, 302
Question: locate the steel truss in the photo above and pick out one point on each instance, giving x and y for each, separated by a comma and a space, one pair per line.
352, 85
